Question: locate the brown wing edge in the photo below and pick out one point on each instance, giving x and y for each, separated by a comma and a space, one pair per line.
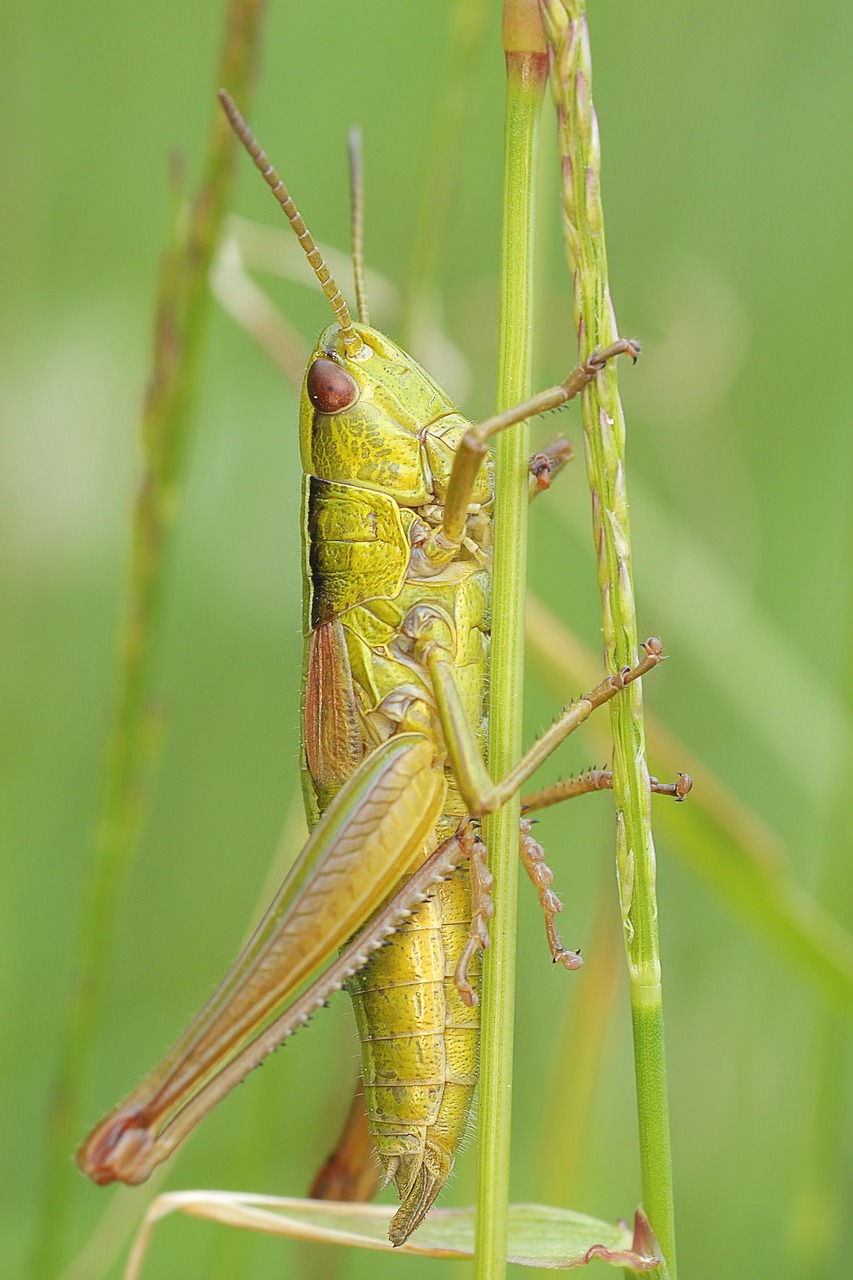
352, 1170
333, 741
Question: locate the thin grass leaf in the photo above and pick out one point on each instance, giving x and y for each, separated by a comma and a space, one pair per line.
182, 313
539, 1235
604, 435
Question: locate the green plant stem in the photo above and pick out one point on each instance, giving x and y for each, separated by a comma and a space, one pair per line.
604, 435
526, 63
818, 1221
182, 312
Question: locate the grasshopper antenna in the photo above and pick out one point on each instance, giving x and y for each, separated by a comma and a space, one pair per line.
352, 342
356, 175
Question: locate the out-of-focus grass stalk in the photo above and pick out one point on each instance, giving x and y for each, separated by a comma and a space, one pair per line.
716, 833
818, 1221
604, 435
527, 70
465, 39
182, 312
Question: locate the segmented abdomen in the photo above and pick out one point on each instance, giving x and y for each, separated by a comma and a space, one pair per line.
419, 1047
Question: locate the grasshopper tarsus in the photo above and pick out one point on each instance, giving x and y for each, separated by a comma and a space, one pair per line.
621, 347
594, 363
679, 790
545, 464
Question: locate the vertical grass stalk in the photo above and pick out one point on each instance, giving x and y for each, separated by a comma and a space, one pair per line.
182, 313
604, 435
526, 64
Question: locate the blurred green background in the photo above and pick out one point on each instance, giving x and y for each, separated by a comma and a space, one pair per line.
728, 199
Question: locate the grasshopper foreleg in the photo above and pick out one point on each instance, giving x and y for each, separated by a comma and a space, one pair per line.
533, 855
539, 872
474, 445
482, 908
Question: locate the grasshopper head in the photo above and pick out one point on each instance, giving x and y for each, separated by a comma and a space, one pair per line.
362, 418
366, 405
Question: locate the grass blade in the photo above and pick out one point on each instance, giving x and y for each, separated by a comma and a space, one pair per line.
182, 313
604, 434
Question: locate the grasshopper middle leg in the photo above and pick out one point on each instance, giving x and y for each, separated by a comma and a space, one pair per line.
539, 872
480, 793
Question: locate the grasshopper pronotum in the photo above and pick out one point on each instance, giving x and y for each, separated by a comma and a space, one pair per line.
397, 531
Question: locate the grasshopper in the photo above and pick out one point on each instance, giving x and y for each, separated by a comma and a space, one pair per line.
397, 530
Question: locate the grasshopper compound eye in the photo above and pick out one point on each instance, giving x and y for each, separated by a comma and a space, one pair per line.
330, 388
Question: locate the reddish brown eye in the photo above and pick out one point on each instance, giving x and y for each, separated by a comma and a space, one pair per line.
330, 388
